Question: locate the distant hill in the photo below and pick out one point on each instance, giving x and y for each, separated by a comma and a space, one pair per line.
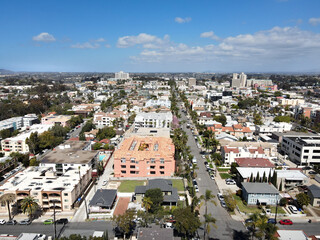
6, 72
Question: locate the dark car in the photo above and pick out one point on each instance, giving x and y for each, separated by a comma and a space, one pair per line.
62, 221
312, 172
12, 222
272, 220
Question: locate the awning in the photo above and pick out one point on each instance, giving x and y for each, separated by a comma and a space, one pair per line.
295, 179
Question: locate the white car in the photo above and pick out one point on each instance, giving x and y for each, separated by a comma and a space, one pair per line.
220, 196
230, 182
41, 236
293, 209
196, 188
212, 176
104, 182
2, 221
203, 156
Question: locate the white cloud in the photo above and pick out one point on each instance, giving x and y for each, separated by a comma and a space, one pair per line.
44, 37
182, 20
209, 35
107, 45
314, 21
288, 45
147, 40
86, 45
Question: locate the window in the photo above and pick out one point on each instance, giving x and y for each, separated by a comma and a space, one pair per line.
35, 194
162, 172
123, 166
65, 194
123, 171
132, 160
66, 206
66, 200
147, 162
316, 151
153, 167
123, 160
306, 150
153, 160
153, 172
132, 166
161, 160
132, 172
161, 167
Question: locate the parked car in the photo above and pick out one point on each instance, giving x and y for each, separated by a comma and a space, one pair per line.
104, 182
212, 176
12, 222
196, 188
312, 172
41, 236
285, 222
203, 156
223, 204
248, 220
25, 222
62, 221
220, 196
268, 211
293, 209
230, 182
272, 220
2, 221
48, 222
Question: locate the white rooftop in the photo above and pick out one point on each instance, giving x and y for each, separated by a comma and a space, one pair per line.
32, 179
245, 172
40, 128
290, 174
292, 235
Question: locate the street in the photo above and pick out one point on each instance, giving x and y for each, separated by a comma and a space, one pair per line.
227, 228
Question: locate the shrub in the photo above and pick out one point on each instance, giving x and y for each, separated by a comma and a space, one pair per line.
283, 202
239, 192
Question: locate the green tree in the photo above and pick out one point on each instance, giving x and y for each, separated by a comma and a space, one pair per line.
29, 206
258, 177
283, 202
209, 221
277, 94
34, 162
8, 198
33, 142
270, 231
106, 132
303, 199
207, 197
257, 119
5, 133
286, 119
156, 197
251, 178
125, 222
230, 201
82, 137
274, 179
48, 141
187, 223
233, 169
221, 119
280, 187
97, 146
147, 203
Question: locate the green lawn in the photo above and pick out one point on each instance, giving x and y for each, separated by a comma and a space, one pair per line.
225, 175
178, 183
223, 169
254, 209
130, 185
245, 209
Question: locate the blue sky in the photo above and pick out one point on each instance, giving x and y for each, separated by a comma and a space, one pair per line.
160, 36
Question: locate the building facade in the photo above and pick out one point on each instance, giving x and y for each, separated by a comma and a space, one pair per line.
145, 157
153, 120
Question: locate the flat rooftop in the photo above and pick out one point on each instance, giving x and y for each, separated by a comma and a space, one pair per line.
71, 152
43, 178
307, 140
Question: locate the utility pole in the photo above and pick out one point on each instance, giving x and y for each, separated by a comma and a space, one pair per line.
54, 220
275, 218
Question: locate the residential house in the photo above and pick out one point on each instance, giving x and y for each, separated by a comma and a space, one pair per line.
103, 201
260, 193
170, 194
236, 130
314, 195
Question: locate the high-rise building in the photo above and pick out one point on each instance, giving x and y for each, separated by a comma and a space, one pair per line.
121, 75
239, 80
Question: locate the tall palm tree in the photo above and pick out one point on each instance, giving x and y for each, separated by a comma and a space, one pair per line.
29, 206
146, 203
209, 220
7, 199
207, 197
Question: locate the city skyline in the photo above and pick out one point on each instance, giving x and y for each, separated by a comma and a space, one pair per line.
143, 36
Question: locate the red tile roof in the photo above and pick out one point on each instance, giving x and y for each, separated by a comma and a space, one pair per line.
228, 150
254, 162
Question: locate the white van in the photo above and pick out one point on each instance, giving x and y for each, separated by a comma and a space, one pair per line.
194, 160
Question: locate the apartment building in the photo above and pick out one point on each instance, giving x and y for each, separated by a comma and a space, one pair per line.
158, 103
70, 154
18, 143
290, 102
18, 122
145, 157
192, 82
53, 119
102, 119
48, 188
121, 75
236, 130
271, 127
230, 154
303, 150
153, 120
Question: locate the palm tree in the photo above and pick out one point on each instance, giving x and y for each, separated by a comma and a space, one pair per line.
146, 203
29, 205
207, 197
8, 198
259, 226
209, 220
